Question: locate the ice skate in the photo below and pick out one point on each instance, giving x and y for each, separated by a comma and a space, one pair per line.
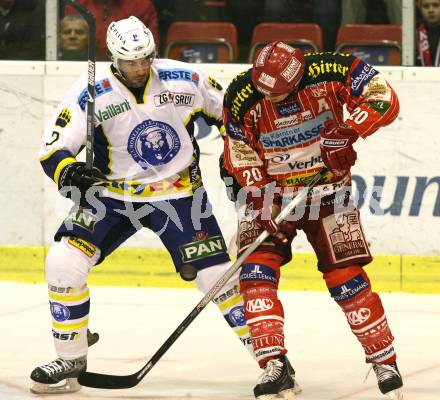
389, 380
59, 376
297, 388
275, 382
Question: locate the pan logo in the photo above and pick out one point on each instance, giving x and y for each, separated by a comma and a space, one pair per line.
153, 143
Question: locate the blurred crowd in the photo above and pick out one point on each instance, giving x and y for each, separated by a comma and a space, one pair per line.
22, 22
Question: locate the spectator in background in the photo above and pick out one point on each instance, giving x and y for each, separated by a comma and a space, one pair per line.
327, 14
165, 15
428, 34
365, 12
22, 30
287, 11
245, 14
106, 11
73, 38
169, 11
200, 10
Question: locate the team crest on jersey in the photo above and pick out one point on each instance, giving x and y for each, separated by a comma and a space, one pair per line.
237, 317
153, 143
59, 311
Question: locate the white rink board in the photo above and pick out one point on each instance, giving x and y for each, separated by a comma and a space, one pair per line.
208, 362
405, 152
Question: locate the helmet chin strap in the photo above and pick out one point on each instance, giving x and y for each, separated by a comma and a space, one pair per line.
120, 74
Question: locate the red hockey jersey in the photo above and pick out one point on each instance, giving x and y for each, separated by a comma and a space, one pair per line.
279, 142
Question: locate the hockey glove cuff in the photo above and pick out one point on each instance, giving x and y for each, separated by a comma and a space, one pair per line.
261, 202
77, 175
337, 150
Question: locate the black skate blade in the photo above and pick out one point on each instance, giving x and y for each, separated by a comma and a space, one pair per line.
92, 338
103, 381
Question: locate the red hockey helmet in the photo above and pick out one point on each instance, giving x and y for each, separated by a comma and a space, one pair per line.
278, 69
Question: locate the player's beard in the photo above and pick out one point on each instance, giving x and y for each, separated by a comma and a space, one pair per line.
138, 82
134, 83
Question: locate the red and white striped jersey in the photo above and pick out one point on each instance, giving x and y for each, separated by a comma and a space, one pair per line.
279, 142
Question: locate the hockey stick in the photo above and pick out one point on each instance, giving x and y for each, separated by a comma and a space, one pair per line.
91, 63
103, 381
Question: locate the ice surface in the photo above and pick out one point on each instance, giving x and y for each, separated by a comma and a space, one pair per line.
208, 361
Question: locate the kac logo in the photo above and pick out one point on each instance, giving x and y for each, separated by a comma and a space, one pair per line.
153, 143
59, 311
358, 317
259, 305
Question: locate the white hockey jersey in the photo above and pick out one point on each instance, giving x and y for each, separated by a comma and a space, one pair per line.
144, 142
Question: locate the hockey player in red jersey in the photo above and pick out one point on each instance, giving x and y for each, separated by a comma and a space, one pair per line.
284, 122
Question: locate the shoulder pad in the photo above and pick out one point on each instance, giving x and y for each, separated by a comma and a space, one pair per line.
326, 67
241, 94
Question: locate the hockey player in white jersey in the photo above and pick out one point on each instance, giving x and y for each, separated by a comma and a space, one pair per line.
146, 156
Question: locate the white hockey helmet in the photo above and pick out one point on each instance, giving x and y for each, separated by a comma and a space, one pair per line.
130, 39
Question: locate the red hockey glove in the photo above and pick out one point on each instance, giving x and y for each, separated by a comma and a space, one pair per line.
265, 207
262, 210
337, 147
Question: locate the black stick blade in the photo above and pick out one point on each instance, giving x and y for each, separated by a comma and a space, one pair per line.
102, 381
